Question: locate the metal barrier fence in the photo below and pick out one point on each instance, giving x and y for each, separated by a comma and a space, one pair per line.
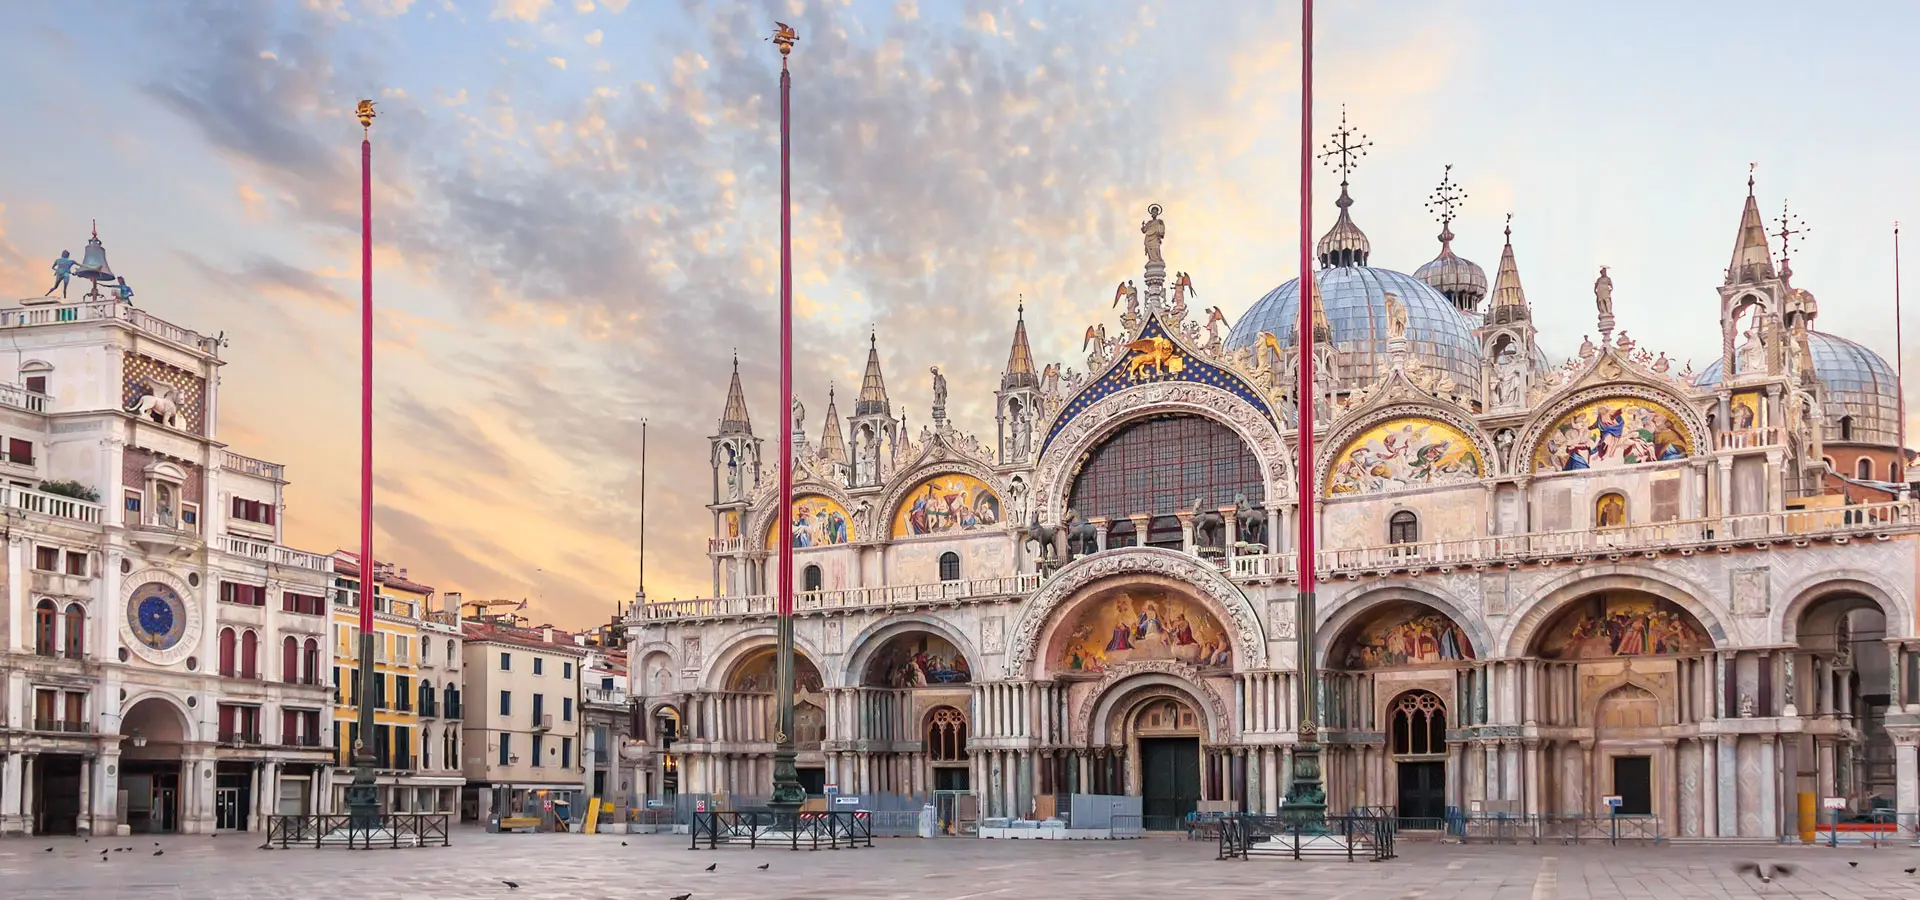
393, 831
1355, 838
1874, 828
756, 828
1563, 829
893, 815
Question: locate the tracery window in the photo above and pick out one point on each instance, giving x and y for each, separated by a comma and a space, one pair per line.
1419, 724
946, 735
1160, 466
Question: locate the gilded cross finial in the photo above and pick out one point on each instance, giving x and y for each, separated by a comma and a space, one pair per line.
1343, 152
1790, 225
784, 37
1445, 200
1509, 231
364, 112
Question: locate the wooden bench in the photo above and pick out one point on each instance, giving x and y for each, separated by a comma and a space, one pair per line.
520, 823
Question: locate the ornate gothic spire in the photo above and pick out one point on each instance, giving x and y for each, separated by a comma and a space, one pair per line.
1344, 244
733, 419
1509, 298
1752, 259
1020, 371
873, 388
833, 447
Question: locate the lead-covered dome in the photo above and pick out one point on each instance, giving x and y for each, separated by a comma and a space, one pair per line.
1355, 301
1862, 394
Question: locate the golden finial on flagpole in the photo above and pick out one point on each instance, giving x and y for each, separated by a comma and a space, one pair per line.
365, 112
784, 37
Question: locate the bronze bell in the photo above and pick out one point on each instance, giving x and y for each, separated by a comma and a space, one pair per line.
93, 264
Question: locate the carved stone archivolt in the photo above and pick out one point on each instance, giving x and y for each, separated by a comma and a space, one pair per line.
1203, 577
766, 507
1053, 477
1371, 415
1547, 414
1171, 678
906, 480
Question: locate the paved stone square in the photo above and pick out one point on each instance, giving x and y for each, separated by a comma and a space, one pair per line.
661, 866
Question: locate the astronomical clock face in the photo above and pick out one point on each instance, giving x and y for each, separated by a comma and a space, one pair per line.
161, 624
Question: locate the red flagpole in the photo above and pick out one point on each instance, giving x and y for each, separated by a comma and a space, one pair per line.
1304, 334
368, 588
788, 795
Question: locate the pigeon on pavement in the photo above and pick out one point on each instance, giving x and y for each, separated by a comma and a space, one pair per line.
763, 866
685, 896
512, 886
159, 852
1766, 872
713, 867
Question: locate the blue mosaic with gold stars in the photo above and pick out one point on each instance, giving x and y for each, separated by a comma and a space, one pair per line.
1124, 375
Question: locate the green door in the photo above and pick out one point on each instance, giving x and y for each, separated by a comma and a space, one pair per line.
1169, 781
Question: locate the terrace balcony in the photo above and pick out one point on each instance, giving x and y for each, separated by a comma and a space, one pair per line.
109, 310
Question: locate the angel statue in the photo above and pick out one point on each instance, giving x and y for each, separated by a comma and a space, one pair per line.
1127, 292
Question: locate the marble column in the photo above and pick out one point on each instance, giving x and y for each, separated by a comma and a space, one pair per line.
1727, 777
1906, 771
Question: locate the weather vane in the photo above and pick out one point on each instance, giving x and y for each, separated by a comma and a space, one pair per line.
784, 37
1347, 145
1790, 225
1447, 198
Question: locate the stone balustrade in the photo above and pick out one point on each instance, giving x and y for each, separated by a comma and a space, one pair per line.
1681, 536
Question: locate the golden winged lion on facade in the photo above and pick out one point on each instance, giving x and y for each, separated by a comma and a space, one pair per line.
1154, 353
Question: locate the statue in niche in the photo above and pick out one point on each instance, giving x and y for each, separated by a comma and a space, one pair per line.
733, 474
870, 461
1508, 379
1747, 707
1017, 500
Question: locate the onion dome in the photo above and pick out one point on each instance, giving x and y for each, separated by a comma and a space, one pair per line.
1862, 394
1461, 281
1344, 244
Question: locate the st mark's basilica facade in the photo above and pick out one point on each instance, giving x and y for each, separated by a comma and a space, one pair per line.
1541, 585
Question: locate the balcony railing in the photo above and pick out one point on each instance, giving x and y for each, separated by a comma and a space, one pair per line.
62, 726
275, 553
108, 309
240, 736
247, 465
725, 545
1683, 534
300, 740
20, 398
849, 598
54, 505
1753, 438
609, 696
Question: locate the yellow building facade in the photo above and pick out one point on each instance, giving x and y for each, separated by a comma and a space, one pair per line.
415, 686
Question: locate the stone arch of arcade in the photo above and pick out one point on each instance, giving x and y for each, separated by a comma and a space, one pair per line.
158, 748
909, 698
1170, 578
1843, 678
1400, 670
1621, 667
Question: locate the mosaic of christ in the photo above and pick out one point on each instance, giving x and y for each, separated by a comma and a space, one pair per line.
1130, 626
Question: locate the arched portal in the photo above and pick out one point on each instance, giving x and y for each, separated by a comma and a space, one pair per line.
1393, 672
750, 715
1837, 676
155, 733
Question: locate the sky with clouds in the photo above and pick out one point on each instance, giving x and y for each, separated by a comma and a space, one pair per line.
577, 209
